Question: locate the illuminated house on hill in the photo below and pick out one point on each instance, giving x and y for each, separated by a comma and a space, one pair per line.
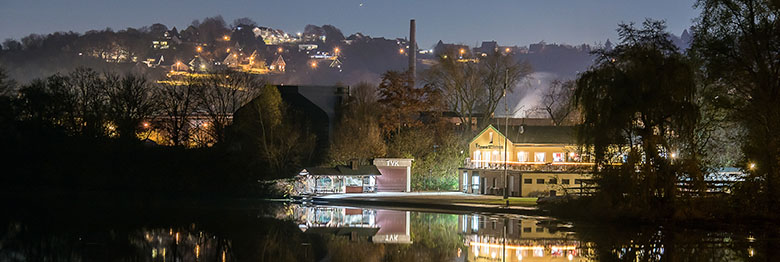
539, 160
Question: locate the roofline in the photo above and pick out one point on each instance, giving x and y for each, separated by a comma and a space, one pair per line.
490, 126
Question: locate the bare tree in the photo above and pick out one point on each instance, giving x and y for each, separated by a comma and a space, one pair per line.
177, 104
222, 94
129, 102
497, 71
475, 87
556, 101
88, 104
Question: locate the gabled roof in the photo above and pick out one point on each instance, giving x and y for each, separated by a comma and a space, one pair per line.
524, 134
343, 170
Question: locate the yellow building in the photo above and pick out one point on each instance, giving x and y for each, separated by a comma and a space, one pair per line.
539, 160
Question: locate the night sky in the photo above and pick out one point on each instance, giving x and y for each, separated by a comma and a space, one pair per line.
509, 22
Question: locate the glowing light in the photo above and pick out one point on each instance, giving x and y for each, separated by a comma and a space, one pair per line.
313, 64
570, 257
227, 50
401, 51
572, 154
146, 124
508, 50
226, 38
462, 51
336, 50
199, 49
674, 155
752, 166
279, 50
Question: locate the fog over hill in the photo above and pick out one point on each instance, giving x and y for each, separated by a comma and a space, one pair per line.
320, 55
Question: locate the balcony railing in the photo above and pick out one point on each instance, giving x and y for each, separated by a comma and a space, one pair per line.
530, 166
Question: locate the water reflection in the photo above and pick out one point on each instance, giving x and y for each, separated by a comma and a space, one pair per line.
290, 232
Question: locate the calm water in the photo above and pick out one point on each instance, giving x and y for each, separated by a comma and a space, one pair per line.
290, 232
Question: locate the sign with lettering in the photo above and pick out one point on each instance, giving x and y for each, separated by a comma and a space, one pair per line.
392, 163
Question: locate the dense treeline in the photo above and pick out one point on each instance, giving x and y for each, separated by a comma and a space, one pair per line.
662, 123
397, 119
90, 131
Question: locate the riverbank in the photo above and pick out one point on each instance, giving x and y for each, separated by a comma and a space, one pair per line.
433, 201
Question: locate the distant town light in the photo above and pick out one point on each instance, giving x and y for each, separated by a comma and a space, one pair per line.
199, 49
508, 50
674, 155
336, 50
279, 50
226, 38
752, 166
401, 51
227, 50
462, 51
146, 124
205, 124
313, 64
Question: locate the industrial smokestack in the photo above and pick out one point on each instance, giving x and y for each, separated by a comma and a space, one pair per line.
412, 50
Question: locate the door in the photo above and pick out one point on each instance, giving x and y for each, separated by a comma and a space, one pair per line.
511, 186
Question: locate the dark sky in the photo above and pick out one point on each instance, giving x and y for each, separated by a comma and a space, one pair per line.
509, 22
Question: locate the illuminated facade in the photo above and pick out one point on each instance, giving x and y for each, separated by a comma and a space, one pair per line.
540, 160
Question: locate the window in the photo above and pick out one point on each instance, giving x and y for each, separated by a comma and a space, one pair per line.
578, 181
522, 156
527, 229
491, 137
354, 181
528, 181
558, 157
540, 181
477, 157
553, 181
539, 157
565, 181
539, 230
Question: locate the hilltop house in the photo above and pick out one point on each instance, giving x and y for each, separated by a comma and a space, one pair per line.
539, 160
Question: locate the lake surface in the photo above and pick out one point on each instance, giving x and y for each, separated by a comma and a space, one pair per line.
264, 231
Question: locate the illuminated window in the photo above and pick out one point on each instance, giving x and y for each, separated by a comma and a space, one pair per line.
558, 157
522, 156
539, 157
477, 157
